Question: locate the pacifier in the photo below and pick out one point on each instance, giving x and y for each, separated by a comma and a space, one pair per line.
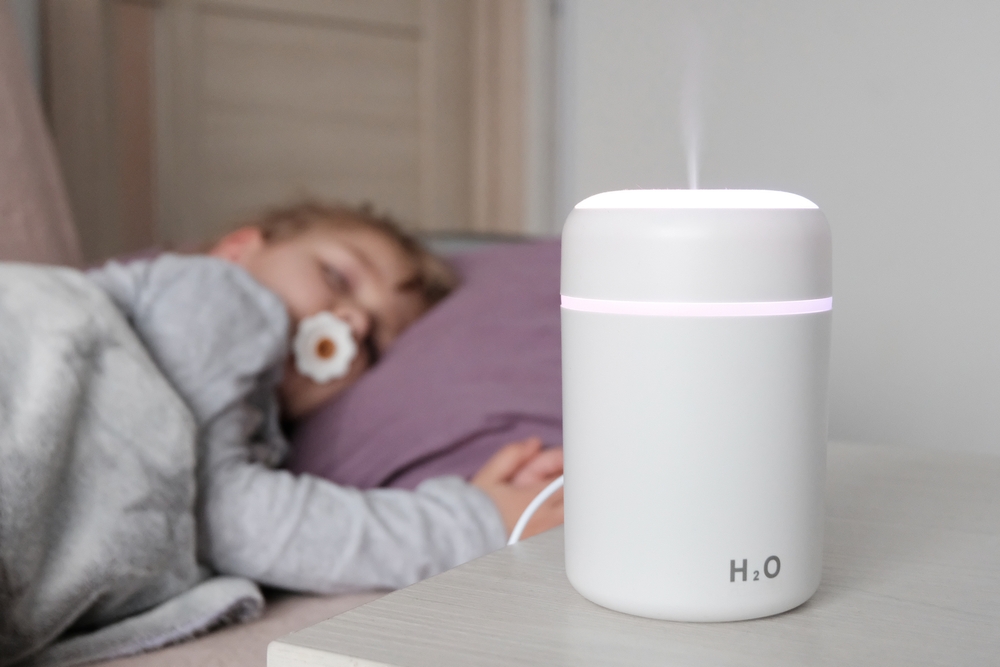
324, 347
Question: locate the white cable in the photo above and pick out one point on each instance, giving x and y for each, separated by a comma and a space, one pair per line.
532, 507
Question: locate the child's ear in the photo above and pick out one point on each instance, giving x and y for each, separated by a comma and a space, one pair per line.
238, 245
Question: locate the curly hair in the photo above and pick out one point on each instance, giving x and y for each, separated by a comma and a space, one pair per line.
433, 278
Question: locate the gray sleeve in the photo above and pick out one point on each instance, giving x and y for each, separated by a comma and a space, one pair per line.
307, 534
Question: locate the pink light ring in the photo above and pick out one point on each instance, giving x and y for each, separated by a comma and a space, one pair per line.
682, 309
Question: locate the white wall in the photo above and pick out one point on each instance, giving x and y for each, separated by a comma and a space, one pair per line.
886, 113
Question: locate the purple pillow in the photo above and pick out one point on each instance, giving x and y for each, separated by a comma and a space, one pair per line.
480, 370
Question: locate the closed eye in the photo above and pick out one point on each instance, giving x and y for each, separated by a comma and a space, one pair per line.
335, 279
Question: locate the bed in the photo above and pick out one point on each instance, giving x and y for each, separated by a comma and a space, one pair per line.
478, 371
502, 322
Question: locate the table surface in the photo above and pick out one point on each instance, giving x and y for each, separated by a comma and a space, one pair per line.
911, 576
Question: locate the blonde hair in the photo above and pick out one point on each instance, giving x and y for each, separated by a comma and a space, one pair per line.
433, 279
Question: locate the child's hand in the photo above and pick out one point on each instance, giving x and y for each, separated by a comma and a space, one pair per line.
542, 468
496, 480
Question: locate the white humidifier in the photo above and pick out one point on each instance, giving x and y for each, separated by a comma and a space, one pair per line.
696, 338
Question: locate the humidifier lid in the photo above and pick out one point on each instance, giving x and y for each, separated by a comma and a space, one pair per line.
697, 246
696, 199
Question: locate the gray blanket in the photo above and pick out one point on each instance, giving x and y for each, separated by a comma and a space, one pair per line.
97, 485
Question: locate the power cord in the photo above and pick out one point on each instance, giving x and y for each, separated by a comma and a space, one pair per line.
529, 511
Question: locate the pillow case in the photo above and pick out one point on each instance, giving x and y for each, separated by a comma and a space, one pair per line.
479, 370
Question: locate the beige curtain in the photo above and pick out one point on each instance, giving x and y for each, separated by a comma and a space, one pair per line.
35, 220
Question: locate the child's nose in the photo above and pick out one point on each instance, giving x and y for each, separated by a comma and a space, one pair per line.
356, 317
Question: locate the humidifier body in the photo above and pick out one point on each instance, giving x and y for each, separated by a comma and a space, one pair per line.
696, 337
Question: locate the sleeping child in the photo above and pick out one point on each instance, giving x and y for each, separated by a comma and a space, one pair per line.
219, 327
219, 330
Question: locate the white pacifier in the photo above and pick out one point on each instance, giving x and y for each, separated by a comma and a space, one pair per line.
324, 347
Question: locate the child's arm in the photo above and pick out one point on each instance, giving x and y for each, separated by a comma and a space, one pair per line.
307, 534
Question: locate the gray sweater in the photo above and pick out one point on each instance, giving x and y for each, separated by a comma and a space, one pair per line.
221, 339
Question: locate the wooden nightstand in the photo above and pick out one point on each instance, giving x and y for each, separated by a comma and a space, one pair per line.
911, 576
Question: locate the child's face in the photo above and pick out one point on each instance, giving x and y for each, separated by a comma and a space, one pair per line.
355, 273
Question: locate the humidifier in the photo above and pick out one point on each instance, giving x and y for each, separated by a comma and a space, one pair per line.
696, 337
